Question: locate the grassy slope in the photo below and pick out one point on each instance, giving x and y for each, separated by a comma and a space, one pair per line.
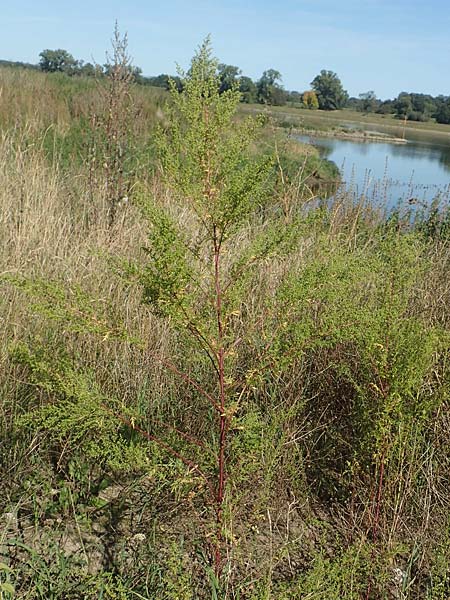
57, 109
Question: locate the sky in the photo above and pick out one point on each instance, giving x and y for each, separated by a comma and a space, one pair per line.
387, 46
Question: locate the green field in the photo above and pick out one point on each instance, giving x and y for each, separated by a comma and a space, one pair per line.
327, 120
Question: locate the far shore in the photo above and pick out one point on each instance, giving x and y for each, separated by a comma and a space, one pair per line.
354, 136
340, 124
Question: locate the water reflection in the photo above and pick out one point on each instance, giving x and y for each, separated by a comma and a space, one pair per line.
391, 172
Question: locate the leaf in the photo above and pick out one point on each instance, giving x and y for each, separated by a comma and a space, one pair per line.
7, 587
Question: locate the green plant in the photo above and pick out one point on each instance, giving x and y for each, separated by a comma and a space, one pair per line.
6, 585
196, 286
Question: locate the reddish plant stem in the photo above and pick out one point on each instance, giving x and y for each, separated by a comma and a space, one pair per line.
376, 519
379, 497
223, 421
187, 379
183, 434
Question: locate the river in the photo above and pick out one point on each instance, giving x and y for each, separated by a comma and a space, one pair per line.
418, 171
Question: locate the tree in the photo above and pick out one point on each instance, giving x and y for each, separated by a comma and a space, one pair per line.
294, 97
248, 89
403, 105
269, 89
329, 90
89, 70
162, 81
368, 102
415, 107
53, 61
229, 76
386, 107
423, 107
310, 100
443, 110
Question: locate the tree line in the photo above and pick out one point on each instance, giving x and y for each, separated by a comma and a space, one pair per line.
408, 106
326, 93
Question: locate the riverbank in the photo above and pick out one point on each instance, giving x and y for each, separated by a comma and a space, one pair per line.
354, 136
299, 161
332, 122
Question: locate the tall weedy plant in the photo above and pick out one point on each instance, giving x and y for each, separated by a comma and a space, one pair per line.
206, 163
112, 126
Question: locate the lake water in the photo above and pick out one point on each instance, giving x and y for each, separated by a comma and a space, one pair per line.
391, 173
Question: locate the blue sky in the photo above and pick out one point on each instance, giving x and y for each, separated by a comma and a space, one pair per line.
383, 45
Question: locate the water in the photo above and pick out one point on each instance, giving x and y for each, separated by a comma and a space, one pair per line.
418, 171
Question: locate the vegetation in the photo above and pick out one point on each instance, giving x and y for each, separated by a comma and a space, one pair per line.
310, 100
268, 90
330, 93
229, 389
57, 61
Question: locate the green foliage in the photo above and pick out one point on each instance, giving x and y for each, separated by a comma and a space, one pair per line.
229, 77
414, 107
205, 153
433, 222
6, 586
77, 413
345, 576
368, 102
166, 276
438, 587
54, 61
269, 88
52, 575
443, 111
325, 359
72, 306
352, 310
177, 580
310, 100
329, 90
248, 89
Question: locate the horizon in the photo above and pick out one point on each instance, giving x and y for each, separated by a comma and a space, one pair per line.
356, 40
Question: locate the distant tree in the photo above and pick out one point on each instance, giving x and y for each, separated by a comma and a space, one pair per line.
88, 69
443, 110
353, 103
278, 96
414, 107
329, 90
161, 81
310, 100
17, 64
229, 76
368, 102
403, 105
158, 81
386, 107
248, 89
53, 61
269, 88
423, 106
135, 73
294, 97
